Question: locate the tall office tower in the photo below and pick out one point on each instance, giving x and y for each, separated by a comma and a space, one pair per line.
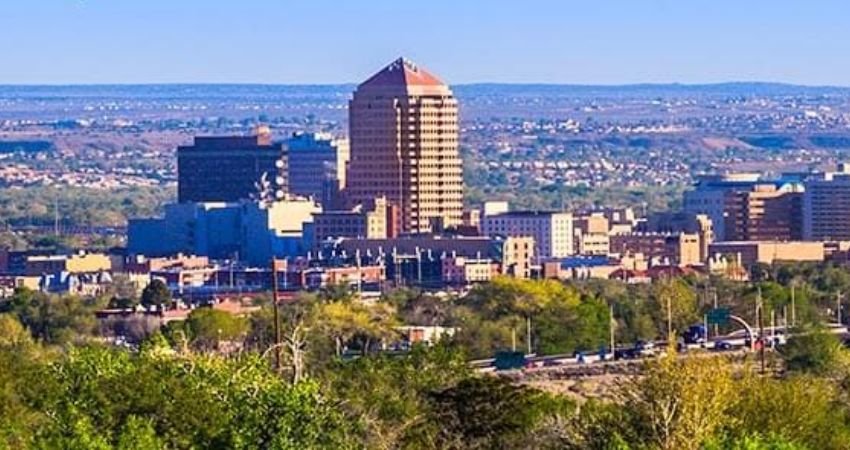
826, 206
317, 165
404, 146
229, 169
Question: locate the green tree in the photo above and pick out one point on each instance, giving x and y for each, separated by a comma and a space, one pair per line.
814, 350
676, 300
156, 295
486, 412
680, 404
208, 328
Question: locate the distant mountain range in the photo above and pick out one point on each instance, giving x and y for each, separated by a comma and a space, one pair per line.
208, 91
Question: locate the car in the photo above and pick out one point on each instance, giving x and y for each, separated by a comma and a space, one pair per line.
627, 353
722, 346
645, 348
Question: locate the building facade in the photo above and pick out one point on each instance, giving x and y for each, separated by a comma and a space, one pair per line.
317, 164
826, 206
404, 146
676, 249
229, 169
764, 213
552, 231
365, 221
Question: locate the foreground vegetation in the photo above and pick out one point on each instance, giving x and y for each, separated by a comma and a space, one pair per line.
212, 382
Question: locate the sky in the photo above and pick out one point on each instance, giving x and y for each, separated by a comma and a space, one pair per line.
462, 41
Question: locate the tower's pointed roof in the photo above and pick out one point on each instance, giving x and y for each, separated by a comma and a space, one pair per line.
402, 73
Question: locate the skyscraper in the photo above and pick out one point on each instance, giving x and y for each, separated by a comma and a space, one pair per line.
404, 146
228, 169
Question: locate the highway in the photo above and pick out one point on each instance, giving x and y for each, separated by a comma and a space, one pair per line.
735, 341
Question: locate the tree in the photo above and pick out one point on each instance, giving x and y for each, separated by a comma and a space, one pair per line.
208, 328
795, 410
54, 319
12, 333
680, 403
814, 350
674, 300
156, 295
485, 412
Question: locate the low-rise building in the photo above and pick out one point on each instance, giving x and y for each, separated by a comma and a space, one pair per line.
749, 253
552, 231
681, 249
362, 222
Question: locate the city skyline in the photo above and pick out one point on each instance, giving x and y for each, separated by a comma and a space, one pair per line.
265, 42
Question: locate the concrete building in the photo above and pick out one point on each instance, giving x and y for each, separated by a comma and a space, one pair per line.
246, 231
552, 231
681, 222
670, 249
750, 253
228, 169
317, 164
368, 221
404, 145
709, 197
766, 212
826, 206
77, 263
590, 234
461, 271
513, 255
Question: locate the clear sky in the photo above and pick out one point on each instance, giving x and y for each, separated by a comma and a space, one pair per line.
336, 41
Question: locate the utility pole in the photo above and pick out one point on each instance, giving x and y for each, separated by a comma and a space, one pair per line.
793, 305
716, 330
612, 329
56, 216
838, 306
528, 334
760, 321
669, 317
277, 340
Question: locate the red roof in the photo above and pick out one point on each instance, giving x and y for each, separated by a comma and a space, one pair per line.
402, 72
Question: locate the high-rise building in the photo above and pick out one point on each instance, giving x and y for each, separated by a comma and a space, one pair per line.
404, 146
710, 194
317, 166
552, 231
764, 213
229, 169
826, 206
744, 206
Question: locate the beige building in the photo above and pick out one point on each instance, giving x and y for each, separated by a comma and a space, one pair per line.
404, 145
753, 252
680, 249
77, 263
764, 213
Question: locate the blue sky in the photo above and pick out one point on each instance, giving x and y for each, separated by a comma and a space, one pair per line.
334, 41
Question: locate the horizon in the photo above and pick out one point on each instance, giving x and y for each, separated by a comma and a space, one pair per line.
618, 42
473, 83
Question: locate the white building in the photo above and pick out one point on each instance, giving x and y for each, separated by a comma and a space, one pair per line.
552, 231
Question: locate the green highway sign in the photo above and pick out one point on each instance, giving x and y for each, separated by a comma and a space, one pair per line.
718, 316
